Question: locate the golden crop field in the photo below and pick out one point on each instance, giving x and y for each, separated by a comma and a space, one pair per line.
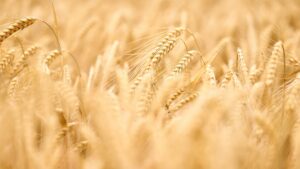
149, 84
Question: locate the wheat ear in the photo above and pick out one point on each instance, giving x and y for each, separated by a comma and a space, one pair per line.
146, 98
226, 79
172, 34
183, 62
22, 61
236, 80
254, 73
243, 64
211, 75
71, 99
162, 49
15, 27
174, 96
6, 61
81, 146
49, 58
183, 102
272, 63
294, 62
11, 91
65, 130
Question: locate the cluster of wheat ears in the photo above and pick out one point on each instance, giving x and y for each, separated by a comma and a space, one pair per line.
221, 97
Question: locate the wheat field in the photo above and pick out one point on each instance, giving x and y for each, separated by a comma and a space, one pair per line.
159, 84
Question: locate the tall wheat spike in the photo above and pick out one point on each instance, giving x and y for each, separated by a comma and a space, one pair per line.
162, 49
243, 64
271, 67
211, 75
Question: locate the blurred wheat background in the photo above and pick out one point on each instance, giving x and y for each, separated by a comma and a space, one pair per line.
159, 84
